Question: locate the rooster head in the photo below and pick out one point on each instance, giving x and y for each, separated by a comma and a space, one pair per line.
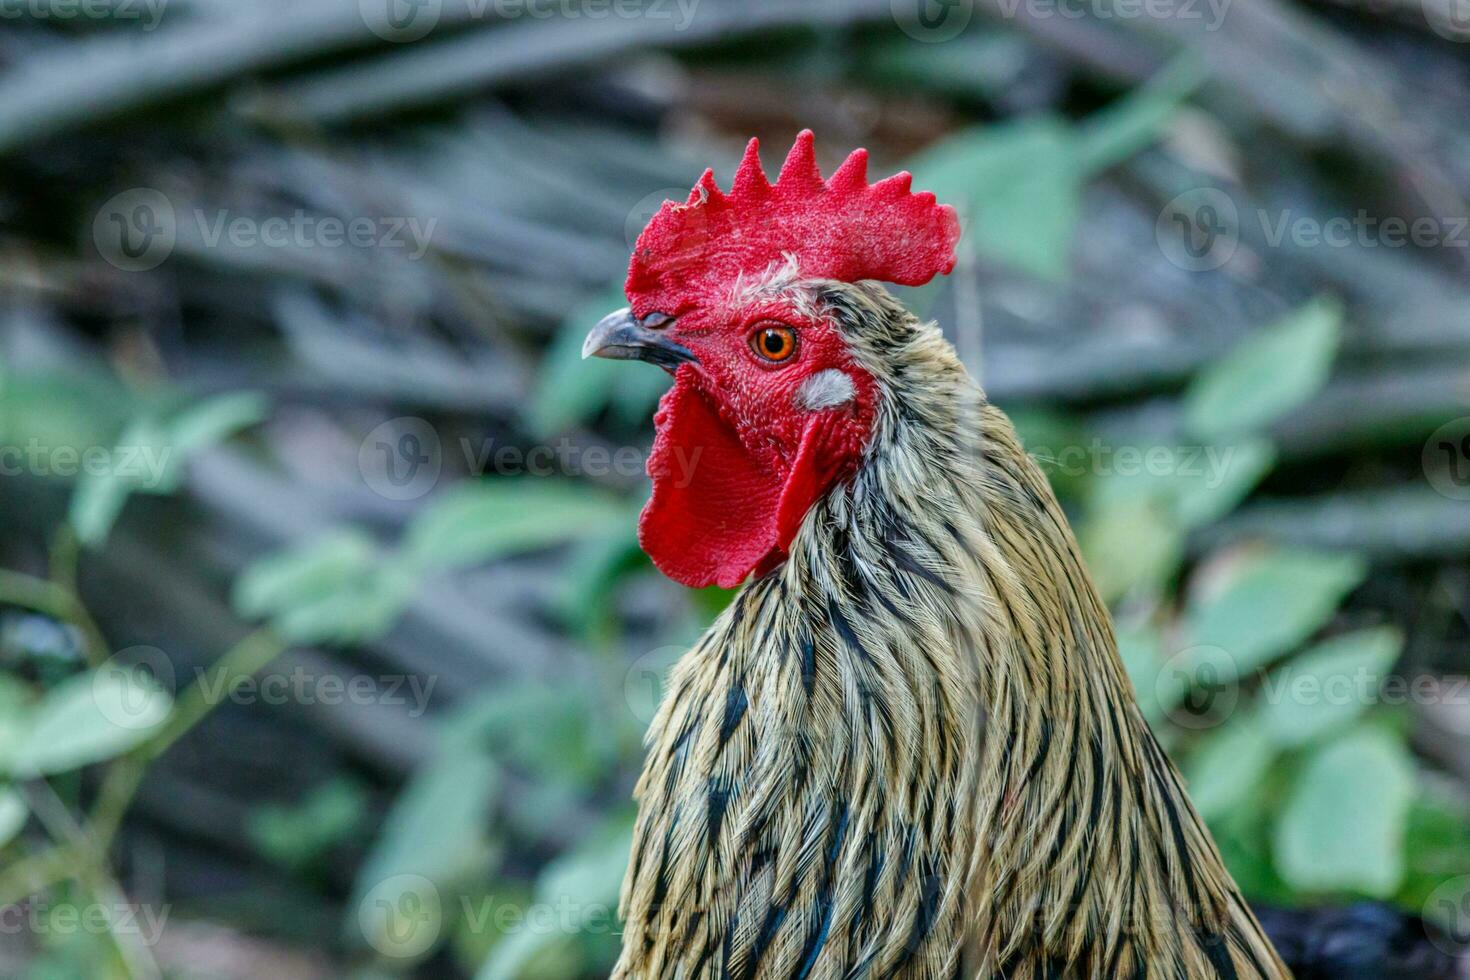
771, 403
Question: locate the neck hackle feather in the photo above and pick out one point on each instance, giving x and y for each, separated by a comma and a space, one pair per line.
911, 751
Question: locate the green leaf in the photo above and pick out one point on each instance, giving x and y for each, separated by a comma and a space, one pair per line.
55, 408
553, 731
1437, 853
1130, 544
1018, 187
336, 588
294, 836
1266, 375
585, 882
486, 520
1329, 685
972, 65
317, 569
437, 830
1132, 124
139, 459
594, 570
1232, 472
13, 814
1343, 825
1228, 766
1195, 484
1157, 690
150, 456
1272, 603
571, 389
88, 718
357, 615
590, 877
214, 420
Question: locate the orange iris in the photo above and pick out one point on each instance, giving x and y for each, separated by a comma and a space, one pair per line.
774, 343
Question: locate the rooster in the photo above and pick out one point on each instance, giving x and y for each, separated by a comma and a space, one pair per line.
908, 748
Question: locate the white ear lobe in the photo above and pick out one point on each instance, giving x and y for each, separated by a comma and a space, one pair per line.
825, 389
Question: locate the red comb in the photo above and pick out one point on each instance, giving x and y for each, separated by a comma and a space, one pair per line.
841, 228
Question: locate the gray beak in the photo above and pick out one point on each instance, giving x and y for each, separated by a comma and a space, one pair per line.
621, 337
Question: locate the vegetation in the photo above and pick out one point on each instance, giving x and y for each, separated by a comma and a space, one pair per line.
321, 615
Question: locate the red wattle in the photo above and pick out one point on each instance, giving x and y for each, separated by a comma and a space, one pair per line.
720, 511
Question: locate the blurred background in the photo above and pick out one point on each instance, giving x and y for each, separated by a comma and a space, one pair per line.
326, 647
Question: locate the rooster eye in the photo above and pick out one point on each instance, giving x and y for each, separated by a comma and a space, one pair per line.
774, 343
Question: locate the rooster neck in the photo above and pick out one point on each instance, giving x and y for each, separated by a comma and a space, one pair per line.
911, 751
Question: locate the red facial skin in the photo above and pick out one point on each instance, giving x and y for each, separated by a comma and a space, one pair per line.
738, 461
